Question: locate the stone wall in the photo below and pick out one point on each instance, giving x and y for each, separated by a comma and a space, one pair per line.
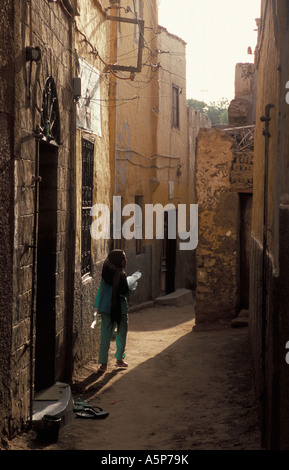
268, 323
6, 209
51, 242
46, 303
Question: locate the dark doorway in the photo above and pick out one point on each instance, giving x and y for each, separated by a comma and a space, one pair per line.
245, 235
171, 262
168, 260
46, 268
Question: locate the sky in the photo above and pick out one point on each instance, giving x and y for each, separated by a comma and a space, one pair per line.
218, 34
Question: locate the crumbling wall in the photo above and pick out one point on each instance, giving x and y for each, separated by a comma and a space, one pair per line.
196, 120
216, 289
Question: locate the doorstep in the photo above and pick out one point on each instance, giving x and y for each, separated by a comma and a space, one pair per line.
54, 401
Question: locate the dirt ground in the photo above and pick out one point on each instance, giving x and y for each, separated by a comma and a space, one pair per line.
184, 390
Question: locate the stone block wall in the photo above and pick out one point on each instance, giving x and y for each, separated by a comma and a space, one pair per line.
47, 26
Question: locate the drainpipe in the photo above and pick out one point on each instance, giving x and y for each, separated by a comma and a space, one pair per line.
113, 109
266, 119
114, 27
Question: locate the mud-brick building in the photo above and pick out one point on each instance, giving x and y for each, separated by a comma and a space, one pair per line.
53, 149
269, 327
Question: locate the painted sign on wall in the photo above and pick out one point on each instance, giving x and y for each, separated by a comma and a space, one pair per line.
88, 115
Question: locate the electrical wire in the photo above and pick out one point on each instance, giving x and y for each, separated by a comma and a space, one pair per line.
145, 156
65, 9
138, 83
148, 167
94, 50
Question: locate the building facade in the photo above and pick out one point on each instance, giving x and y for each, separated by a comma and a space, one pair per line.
52, 154
269, 240
153, 153
37, 107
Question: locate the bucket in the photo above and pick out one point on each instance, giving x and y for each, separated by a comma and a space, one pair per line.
49, 428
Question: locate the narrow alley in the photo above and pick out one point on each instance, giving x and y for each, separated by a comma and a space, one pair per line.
105, 147
184, 390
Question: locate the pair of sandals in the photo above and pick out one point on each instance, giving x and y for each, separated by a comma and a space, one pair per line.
84, 410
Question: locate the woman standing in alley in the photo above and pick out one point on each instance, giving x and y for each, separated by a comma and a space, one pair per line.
111, 303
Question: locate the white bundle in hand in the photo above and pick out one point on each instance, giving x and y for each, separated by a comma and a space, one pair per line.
132, 280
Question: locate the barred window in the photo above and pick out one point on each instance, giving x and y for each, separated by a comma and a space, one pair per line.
175, 107
87, 193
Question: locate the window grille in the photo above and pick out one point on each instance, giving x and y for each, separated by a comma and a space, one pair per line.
175, 107
50, 121
87, 194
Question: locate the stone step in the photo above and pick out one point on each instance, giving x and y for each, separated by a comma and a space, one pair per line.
241, 320
178, 297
